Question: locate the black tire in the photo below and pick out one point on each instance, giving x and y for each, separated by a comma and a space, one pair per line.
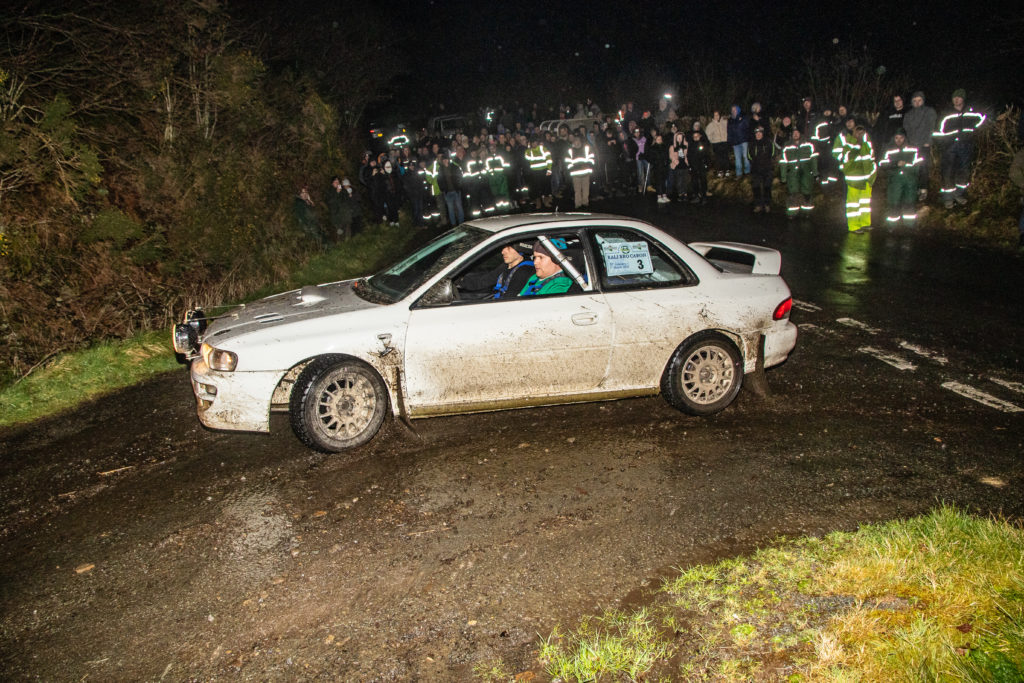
704, 374
337, 403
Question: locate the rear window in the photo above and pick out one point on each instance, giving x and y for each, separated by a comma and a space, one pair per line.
629, 260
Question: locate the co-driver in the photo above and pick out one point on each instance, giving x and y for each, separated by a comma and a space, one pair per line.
549, 278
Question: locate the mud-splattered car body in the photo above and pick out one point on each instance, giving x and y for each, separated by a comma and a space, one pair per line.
646, 314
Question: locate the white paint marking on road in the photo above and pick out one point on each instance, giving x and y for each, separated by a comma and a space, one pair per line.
1007, 384
805, 306
850, 322
892, 359
982, 398
923, 352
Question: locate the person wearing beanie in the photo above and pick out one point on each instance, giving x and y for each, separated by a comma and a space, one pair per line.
920, 123
957, 130
900, 163
549, 277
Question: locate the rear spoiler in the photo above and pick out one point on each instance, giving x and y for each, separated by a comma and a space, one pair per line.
737, 257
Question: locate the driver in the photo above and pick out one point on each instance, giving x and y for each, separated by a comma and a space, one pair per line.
549, 278
511, 276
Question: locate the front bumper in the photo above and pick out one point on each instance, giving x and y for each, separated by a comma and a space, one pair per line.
233, 400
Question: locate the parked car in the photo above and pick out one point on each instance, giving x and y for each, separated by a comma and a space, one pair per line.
552, 125
391, 136
446, 126
646, 314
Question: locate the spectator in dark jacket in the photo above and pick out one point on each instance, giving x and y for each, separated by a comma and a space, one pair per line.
415, 189
757, 118
449, 181
891, 121
698, 154
386, 193
739, 136
657, 156
804, 119
762, 169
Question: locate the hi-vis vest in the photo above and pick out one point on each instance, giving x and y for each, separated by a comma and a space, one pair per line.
845, 142
430, 178
539, 158
496, 164
797, 152
893, 156
473, 169
858, 163
822, 131
960, 125
581, 162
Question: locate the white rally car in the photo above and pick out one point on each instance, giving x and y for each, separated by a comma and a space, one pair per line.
646, 314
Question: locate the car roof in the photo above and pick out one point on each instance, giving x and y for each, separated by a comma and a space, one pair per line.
498, 224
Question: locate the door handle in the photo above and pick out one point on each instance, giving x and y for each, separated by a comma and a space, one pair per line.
584, 318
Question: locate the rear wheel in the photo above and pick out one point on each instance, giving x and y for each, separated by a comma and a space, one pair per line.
337, 403
704, 374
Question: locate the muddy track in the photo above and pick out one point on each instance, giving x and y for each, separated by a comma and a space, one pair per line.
138, 545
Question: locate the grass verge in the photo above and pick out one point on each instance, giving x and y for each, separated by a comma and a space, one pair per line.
70, 379
937, 597
73, 378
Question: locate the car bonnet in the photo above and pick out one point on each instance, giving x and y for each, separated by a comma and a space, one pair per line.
313, 301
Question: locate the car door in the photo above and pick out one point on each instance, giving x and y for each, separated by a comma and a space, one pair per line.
492, 354
654, 300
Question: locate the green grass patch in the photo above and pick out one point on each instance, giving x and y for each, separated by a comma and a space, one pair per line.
73, 378
70, 379
366, 252
614, 645
938, 597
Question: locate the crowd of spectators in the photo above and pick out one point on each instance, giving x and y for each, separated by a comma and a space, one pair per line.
527, 159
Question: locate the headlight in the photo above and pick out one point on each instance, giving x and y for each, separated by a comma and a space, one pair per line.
218, 359
184, 338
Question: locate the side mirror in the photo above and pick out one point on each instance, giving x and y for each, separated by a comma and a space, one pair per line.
441, 294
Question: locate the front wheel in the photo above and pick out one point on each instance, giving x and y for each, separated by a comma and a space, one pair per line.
337, 403
704, 375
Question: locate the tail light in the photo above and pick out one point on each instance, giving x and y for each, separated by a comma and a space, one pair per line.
783, 309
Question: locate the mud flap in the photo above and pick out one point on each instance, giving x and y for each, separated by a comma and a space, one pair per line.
402, 414
756, 382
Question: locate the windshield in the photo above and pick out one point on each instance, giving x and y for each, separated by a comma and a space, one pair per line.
402, 278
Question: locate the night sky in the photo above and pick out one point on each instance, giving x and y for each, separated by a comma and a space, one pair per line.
472, 53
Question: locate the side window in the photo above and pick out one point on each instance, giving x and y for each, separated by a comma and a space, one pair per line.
627, 260
478, 280
508, 272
